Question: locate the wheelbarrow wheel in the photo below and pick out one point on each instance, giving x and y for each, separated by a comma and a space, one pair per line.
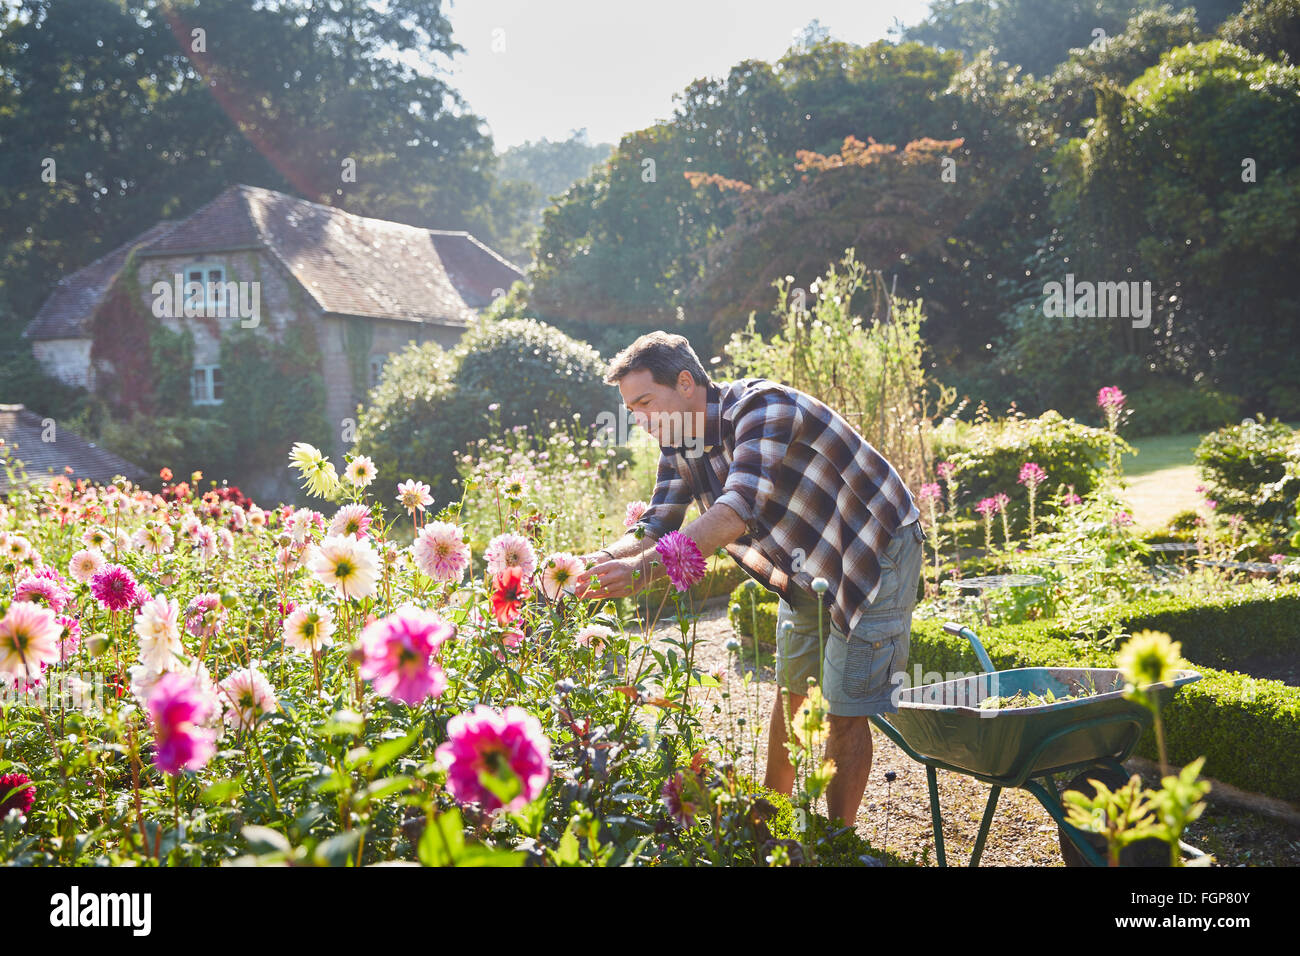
1148, 852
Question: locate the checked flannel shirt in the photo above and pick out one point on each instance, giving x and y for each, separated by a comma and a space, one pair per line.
818, 500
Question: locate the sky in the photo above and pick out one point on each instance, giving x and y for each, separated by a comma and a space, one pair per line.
538, 69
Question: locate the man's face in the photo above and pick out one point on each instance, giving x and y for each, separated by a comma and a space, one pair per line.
661, 410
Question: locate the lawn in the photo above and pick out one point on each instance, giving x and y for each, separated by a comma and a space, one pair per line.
1162, 477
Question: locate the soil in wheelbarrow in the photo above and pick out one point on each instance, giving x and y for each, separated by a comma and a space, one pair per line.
1022, 833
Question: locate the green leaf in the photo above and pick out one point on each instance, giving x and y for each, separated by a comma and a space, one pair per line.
342, 723
337, 849
265, 840
567, 853
221, 790
384, 786
390, 750
443, 841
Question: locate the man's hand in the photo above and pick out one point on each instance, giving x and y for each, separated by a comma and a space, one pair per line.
615, 580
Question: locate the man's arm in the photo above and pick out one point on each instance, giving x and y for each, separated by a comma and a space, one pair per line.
665, 512
718, 526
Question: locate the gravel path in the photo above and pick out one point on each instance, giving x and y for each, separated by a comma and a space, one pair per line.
1022, 832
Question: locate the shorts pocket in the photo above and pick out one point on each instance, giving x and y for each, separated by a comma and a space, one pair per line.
870, 662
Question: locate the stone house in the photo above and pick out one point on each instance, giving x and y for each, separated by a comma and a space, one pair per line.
258, 259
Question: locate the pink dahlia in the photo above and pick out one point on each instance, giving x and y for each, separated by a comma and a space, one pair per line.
113, 587
682, 560
489, 753
29, 640
204, 614
154, 538
414, 495
42, 589
178, 710
558, 573
681, 798
400, 652
85, 564
70, 636
352, 521
441, 551
510, 551
595, 636
247, 694
635, 509
17, 792
309, 627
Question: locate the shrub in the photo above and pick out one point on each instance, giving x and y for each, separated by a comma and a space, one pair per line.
1175, 408
987, 456
1245, 466
431, 403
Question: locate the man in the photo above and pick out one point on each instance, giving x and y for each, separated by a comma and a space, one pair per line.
794, 494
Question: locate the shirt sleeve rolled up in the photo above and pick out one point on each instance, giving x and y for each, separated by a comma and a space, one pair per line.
668, 503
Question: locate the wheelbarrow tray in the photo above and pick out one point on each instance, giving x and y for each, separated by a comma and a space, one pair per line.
943, 722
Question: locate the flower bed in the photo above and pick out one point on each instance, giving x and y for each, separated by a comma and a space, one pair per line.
197, 680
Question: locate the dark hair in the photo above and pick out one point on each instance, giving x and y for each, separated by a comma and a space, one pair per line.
663, 354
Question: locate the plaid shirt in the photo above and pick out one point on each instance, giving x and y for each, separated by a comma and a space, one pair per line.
817, 499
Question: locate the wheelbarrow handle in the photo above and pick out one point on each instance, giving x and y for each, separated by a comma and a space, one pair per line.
959, 630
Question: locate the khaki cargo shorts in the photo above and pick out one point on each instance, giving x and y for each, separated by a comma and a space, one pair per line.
858, 670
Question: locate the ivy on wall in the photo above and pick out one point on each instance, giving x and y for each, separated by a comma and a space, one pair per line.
150, 364
274, 393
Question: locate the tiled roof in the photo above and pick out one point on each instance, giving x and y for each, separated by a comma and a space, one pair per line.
349, 264
21, 431
65, 312
352, 265
475, 269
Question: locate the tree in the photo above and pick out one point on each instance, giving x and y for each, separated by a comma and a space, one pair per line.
1270, 28
1036, 35
882, 202
1187, 179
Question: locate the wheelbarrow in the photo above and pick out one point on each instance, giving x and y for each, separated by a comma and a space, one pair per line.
944, 727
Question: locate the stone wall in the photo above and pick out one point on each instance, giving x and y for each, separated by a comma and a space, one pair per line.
68, 360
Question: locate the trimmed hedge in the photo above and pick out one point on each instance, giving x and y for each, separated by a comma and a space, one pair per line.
1247, 729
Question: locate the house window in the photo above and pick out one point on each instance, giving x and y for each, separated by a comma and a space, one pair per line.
212, 276
377, 368
205, 385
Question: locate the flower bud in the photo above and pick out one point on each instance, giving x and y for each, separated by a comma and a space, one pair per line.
98, 643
